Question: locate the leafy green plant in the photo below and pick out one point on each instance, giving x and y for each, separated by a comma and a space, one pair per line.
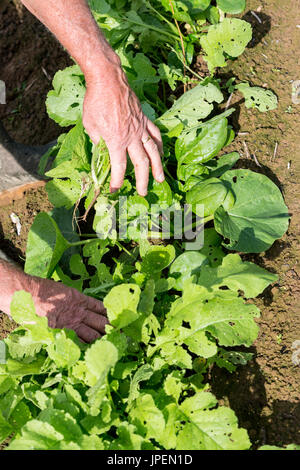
174, 312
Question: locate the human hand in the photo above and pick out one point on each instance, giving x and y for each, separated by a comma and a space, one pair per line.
65, 307
112, 111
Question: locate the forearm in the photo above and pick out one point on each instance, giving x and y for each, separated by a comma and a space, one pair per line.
74, 26
111, 109
12, 279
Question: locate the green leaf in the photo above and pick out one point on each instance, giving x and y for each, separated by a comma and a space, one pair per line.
99, 359
199, 344
207, 145
210, 429
128, 438
62, 422
64, 193
217, 167
21, 344
142, 374
141, 329
36, 436
20, 415
228, 38
53, 429
187, 266
179, 9
237, 275
258, 97
23, 312
75, 148
221, 313
144, 77
5, 428
91, 443
45, 246
102, 356
64, 102
212, 247
210, 194
170, 74
63, 351
160, 193
99, 6
103, 223
95, 424
123, 369
21, 369
147, 417
173, 385
121, 304
157, 258
6, 383
232, 6
192, 106
185, 172
259, 215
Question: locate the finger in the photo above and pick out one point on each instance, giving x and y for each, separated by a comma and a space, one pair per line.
87, 334
96, 321
118, 161
155, 133
140, 161
95, 305
154, 157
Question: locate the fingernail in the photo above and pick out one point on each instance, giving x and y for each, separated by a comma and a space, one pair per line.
143, 193
161, 178
113, 190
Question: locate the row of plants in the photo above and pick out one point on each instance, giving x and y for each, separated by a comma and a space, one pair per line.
175, 309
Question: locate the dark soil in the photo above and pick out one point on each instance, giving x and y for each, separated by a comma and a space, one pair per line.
26, 209
30, 56
265, 393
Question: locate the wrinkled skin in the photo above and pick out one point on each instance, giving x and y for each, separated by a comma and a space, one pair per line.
112, 110
65, 307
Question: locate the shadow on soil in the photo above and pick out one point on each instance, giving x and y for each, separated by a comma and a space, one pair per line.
10, 250
254, 412
259, 28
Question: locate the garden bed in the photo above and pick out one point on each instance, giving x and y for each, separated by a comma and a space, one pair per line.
265, 393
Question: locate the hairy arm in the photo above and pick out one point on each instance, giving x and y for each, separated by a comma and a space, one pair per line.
63, 306
111, 109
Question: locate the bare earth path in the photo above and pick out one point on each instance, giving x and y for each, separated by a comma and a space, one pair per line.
265, 394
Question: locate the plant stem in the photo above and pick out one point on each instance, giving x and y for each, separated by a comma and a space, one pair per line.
162, 17
124, 249
84, 242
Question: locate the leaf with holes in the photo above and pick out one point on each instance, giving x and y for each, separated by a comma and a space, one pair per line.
64, 103
226, 39
259, 215
190, 108
258, 97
